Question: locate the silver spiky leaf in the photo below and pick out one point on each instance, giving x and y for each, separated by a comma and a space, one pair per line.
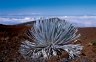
51, 37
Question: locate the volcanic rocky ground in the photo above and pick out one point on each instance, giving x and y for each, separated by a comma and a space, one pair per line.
11, 37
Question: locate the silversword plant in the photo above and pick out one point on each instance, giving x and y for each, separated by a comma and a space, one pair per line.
51, 36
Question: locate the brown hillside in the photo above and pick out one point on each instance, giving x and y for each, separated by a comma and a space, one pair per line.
88, 35
11, 35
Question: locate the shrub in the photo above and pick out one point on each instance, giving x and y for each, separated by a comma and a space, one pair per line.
94, 42
51, 37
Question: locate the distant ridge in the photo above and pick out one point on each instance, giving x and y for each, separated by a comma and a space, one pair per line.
26, 23
14, 30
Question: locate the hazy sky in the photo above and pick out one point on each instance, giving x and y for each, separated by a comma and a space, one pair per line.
48, 7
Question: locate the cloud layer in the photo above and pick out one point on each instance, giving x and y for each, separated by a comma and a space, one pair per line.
12, 21
80, 21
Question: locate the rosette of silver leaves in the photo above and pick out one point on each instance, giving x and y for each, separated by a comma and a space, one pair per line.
51, 36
